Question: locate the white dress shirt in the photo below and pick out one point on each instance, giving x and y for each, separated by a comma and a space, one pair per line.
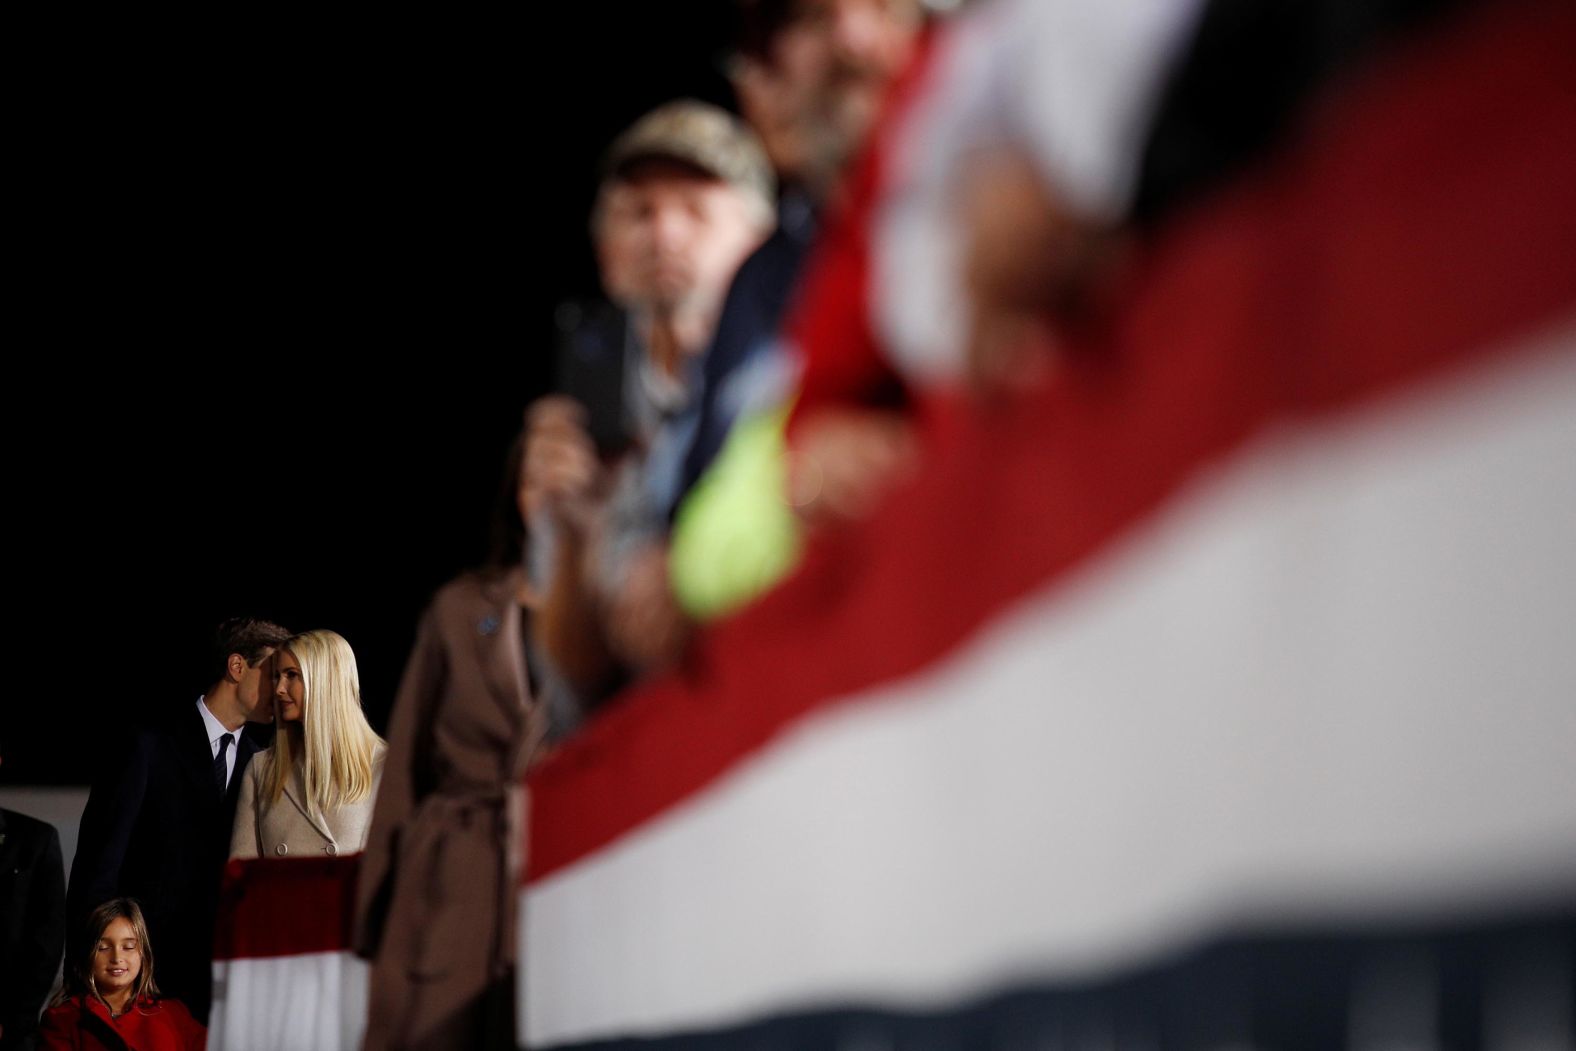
216, 730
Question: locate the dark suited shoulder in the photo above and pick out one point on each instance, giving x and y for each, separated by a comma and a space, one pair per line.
25, 841
110, 817
32, 920
30, 835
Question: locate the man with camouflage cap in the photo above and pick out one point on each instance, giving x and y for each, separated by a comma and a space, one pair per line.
687, 193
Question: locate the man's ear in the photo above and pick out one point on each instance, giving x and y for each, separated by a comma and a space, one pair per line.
235, 667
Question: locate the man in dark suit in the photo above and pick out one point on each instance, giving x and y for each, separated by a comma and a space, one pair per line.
157, 823
32, 923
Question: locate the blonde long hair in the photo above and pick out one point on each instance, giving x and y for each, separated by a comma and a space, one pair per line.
333, 745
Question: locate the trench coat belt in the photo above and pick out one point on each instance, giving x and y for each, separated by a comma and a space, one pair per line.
437, 816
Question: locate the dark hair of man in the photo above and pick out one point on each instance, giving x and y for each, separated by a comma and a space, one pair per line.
760, 21
248, 636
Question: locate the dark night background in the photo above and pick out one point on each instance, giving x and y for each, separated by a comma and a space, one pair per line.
293, 286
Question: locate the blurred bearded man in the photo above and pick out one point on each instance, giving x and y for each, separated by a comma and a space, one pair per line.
687, 193
811, 75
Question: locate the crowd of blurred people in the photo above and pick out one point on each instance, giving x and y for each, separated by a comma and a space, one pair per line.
954, 193
909, 210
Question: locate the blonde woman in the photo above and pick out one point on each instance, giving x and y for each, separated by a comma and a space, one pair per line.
311, 794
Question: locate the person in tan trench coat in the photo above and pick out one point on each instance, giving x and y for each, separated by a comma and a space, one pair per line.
437, 886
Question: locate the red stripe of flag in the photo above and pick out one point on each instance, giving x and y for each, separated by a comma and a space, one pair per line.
285, 906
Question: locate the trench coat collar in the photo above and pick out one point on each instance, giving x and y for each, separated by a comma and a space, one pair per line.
295, 791
500, 643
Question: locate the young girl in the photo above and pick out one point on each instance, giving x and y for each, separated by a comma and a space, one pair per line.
110, 1000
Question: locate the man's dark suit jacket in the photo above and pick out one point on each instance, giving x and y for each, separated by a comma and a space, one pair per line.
32, 922
157, 829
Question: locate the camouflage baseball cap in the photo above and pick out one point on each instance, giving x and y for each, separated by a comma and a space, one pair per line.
697, 133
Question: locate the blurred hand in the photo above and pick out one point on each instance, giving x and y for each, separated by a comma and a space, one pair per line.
1028, 259
560, 473
645, 627
843, 461
1008, 350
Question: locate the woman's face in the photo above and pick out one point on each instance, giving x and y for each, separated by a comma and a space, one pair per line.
289, 690
117, 959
